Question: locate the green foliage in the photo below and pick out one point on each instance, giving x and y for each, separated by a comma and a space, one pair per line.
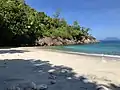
76, 25
20, 24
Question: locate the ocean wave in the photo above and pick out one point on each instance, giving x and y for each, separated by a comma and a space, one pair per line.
89, 54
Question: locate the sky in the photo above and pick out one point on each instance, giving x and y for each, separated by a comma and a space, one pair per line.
102, 16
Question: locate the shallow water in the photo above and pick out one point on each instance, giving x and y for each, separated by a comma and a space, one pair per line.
104, 47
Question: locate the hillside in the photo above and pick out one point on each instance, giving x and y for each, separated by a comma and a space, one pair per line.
22, 25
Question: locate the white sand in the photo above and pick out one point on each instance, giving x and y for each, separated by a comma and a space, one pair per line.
101, 71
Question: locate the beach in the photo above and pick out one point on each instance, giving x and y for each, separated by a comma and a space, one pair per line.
97, 69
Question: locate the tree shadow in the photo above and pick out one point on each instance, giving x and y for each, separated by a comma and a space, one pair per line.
114, 87
7, 47
20, 72
11, 51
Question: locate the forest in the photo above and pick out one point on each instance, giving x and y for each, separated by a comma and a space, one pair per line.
22, 25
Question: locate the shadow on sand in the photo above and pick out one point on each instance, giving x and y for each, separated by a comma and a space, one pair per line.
19, 72
12, 51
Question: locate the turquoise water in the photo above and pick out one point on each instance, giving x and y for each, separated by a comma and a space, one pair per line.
104, 47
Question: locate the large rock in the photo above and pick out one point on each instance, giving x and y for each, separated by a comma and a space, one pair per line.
87, 41
44, 41
79, 42
69, 42
48, 41
59, 39
57, 42
39, 42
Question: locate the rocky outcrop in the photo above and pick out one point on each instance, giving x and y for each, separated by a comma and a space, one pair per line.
88, 40
52, 41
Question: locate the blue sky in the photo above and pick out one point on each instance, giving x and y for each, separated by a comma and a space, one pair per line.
102, 16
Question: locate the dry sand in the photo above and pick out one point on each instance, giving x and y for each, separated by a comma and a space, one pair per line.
101, 70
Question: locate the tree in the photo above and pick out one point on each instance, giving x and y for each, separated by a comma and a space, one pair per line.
85, 31
76, 25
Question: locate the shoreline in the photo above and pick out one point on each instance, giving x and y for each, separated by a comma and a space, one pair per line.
65, 51
79, 53
46, 48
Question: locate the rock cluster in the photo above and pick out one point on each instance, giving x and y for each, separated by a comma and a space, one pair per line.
51, 41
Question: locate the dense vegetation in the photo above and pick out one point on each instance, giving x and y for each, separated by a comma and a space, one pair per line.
21, 24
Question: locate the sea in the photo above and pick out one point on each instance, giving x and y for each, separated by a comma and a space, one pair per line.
101, 48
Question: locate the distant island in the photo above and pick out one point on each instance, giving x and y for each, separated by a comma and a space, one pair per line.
111, 39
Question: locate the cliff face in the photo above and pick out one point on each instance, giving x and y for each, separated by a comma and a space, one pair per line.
51, 41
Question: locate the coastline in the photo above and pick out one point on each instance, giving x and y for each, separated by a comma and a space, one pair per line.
44, 48
78, 53
93, 67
